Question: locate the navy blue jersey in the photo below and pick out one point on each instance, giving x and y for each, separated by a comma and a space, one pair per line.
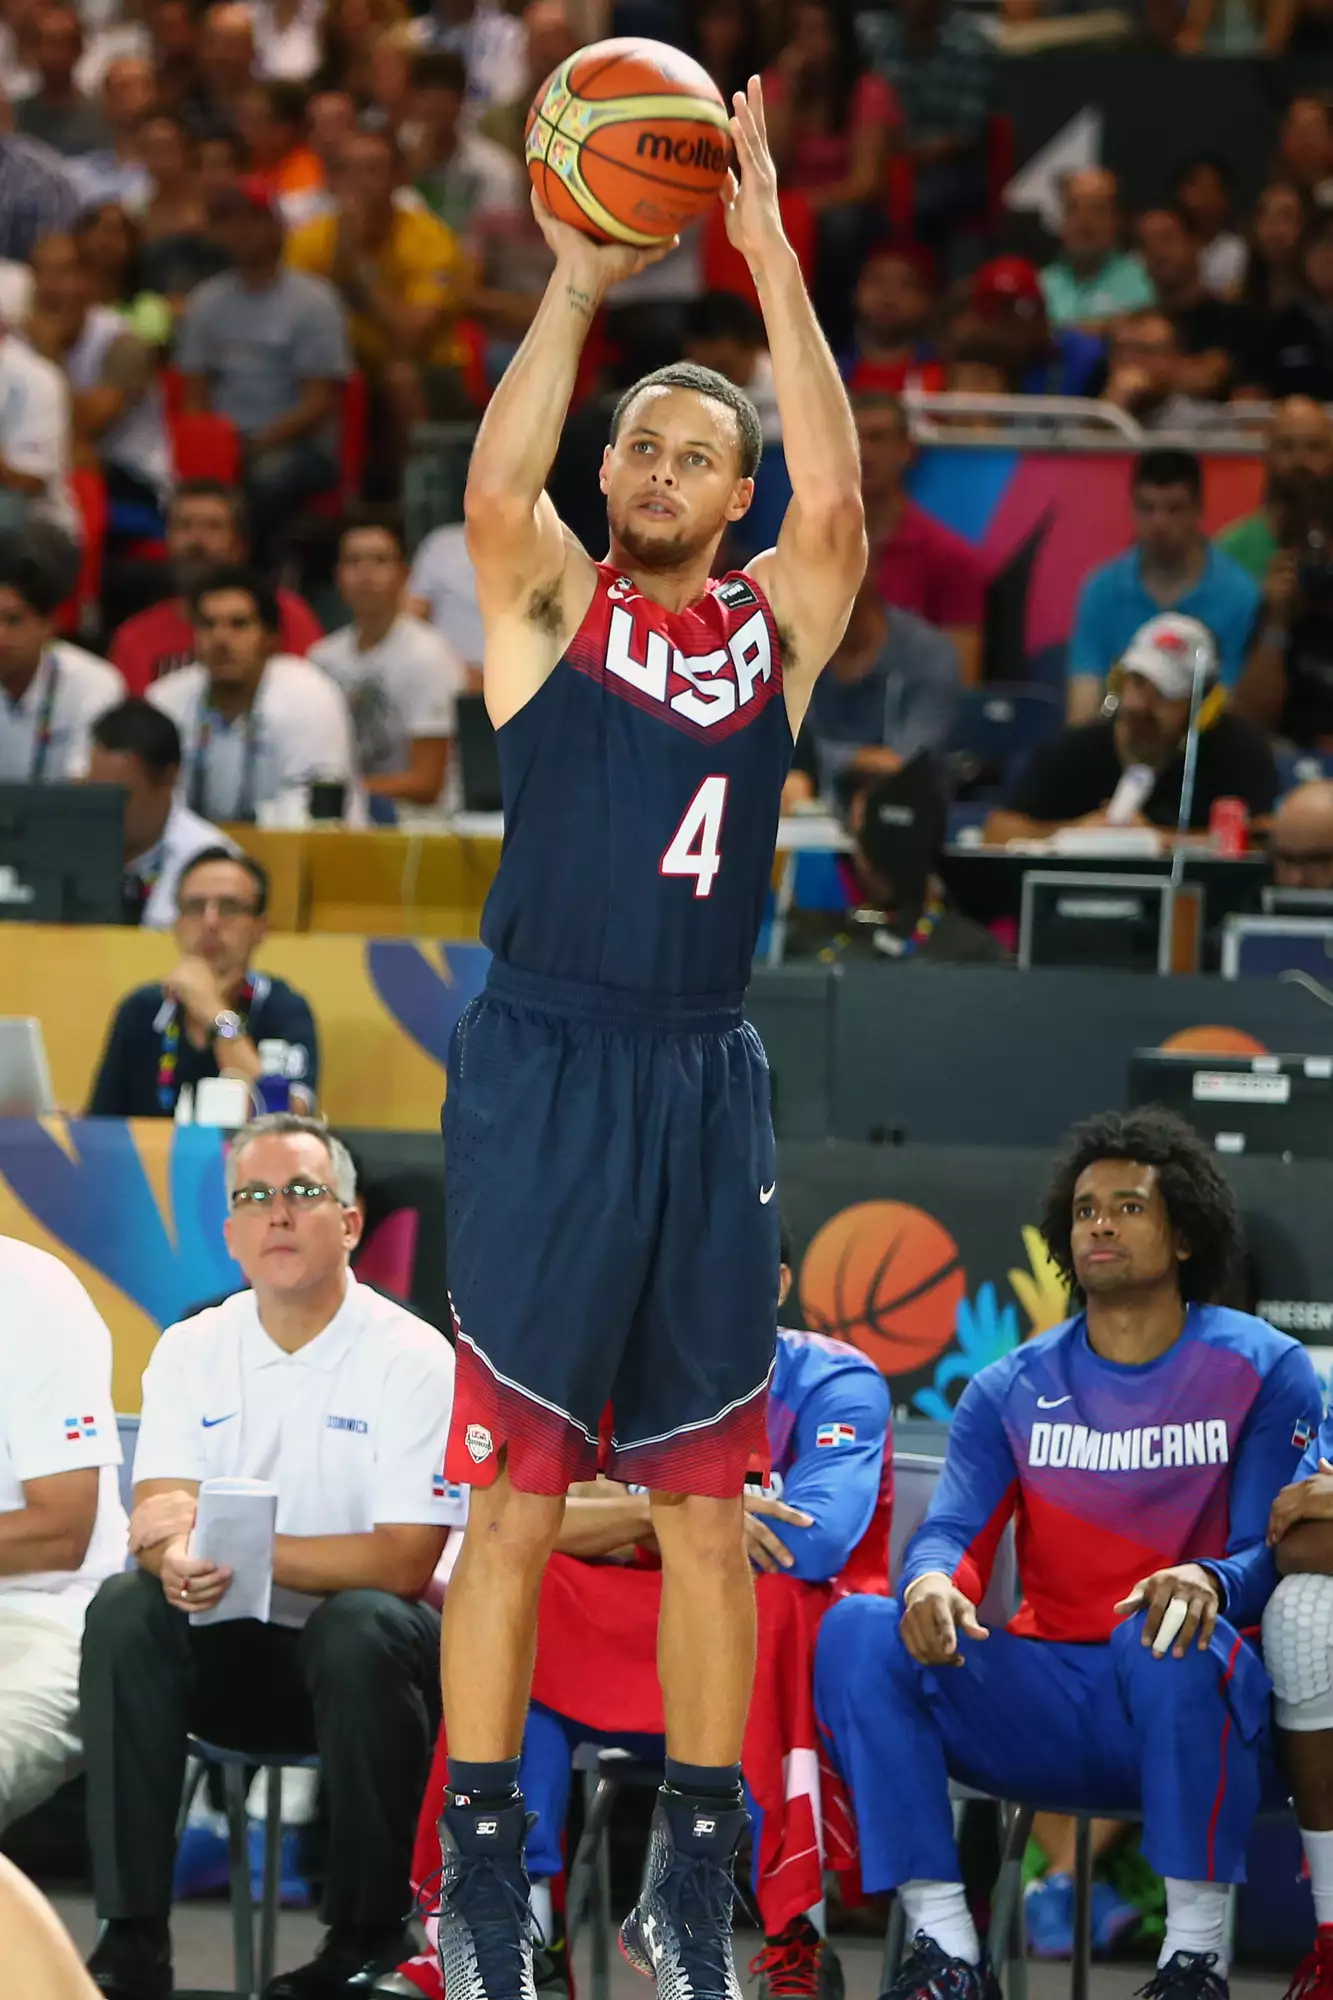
642, 785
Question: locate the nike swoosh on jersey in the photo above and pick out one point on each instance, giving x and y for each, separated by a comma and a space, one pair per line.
208, 1422
1052, 1402
766, 1194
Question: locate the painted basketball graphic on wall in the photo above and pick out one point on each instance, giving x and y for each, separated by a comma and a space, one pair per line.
1213, 1041
888, 1278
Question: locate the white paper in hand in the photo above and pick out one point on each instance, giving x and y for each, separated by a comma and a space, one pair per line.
233, 1529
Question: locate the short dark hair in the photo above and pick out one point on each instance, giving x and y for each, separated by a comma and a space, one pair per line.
254, 869
1168, 465
24, 571
239, 576
439, 69
881, 399
214, 489
1199, 1199
1209, 162
724, 316
135, 728
367, 515
703, 382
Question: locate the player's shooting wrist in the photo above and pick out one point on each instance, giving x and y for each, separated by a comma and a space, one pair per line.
930, 1576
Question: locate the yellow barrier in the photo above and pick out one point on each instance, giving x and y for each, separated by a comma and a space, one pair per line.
383, 884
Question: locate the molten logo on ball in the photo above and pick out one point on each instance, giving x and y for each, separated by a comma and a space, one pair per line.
696, 152
888, 1278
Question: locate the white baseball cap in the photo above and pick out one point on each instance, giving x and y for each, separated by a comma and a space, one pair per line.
1168, 651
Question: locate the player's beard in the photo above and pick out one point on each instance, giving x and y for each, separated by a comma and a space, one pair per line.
660, 552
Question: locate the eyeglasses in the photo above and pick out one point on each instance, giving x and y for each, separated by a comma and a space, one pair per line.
226, 906
297, 1194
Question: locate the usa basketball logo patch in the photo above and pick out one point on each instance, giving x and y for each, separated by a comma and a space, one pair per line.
479, 1442
834, 1434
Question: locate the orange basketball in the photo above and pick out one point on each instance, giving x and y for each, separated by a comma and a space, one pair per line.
628, 141
1213, 1041
888, 1278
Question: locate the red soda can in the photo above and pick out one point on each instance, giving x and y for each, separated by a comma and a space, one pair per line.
1229, 827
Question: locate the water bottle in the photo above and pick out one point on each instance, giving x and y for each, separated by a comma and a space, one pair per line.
274, 1085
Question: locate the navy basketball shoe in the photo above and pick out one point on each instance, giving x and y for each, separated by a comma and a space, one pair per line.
679, 1931
485, 1940
928, 1973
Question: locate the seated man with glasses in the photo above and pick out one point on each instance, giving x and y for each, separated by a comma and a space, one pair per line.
341, 1399
213, 1013
1300, 839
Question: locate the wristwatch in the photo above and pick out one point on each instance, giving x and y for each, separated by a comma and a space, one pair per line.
227, 1026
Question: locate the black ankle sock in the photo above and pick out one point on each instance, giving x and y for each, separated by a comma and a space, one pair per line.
704, 1781
486, 1785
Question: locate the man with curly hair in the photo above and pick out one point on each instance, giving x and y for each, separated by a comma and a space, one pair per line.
1137, 1448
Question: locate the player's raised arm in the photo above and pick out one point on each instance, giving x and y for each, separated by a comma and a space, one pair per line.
812, 576
518, 547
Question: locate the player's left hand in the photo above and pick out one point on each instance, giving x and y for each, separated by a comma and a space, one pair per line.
1306, 1500
765, 1549
1188, 1584
754, 220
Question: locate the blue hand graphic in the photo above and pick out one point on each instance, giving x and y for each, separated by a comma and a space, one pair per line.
985, 1330
424, 1004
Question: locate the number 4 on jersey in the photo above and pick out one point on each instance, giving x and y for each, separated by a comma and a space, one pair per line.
695, 846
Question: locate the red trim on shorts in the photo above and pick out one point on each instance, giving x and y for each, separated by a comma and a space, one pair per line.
1222, 1772
710, 1459
545, 1450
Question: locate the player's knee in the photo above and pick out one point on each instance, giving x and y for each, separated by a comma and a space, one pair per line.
858, 1649
513, 1527
1298, 1652
696, 1530
1173, 1680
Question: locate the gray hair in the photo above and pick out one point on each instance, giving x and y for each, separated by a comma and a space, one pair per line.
277, 1125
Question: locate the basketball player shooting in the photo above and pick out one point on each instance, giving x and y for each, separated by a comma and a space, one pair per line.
610, 1167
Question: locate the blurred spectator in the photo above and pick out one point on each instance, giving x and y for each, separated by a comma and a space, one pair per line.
898, 908
1300, 838
179, 245
58, 113
119, 422
939, 63
1171, 567
351, 29
209, 1013
917, 564
116, 172
221, 163
390, 80
266, 346
37, 190
118, 30
1005, 303
458, 174
548, 40
1305, 149
1093, 281
893, 309
288, 39
1293, 354
980, 363
403, 281
175, 36
829, 127
1205, 192
889, 691
206, 530
1071, 780
225, 61
1288, 680
1145, 372
270, 118
726, 37
108, 243
34, 440
330, 118
135, 745
53, 692
442, 588
490, 41
1273, 275
725, 332
18, 48
257, 726
65, 1532
399, 676
1214, 335
1299, 453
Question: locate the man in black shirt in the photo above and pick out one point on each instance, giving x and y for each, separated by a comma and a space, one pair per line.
1215, 336
1073, 779
209, 1015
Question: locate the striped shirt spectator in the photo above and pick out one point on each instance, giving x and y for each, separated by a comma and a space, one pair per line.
38, 195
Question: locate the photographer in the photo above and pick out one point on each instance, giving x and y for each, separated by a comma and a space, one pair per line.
1287, 685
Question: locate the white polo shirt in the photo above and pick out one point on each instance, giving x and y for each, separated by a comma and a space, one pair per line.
298, 729
351, 1428
35, 429
56, 1416
183, 836
443, 577
45, 736
398, 690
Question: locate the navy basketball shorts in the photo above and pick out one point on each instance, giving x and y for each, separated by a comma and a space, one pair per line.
612, 1236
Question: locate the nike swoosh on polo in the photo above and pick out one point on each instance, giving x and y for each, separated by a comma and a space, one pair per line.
208, 1422
1052, 1402
766, 1194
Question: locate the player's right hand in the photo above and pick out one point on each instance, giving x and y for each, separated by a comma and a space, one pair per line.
163, 1517
596, 266
935, 1613
191, 1583
1307, 1500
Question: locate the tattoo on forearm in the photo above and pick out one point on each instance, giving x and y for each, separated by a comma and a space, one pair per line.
581, 301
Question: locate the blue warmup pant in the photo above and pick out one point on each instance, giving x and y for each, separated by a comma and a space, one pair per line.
1073, 1728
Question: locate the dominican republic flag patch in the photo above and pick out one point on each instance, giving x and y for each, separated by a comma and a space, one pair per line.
439, 1486
1303, 1434
829, 1434
79, 1427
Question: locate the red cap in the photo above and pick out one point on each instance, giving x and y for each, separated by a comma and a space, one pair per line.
255, 192
1009, 281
